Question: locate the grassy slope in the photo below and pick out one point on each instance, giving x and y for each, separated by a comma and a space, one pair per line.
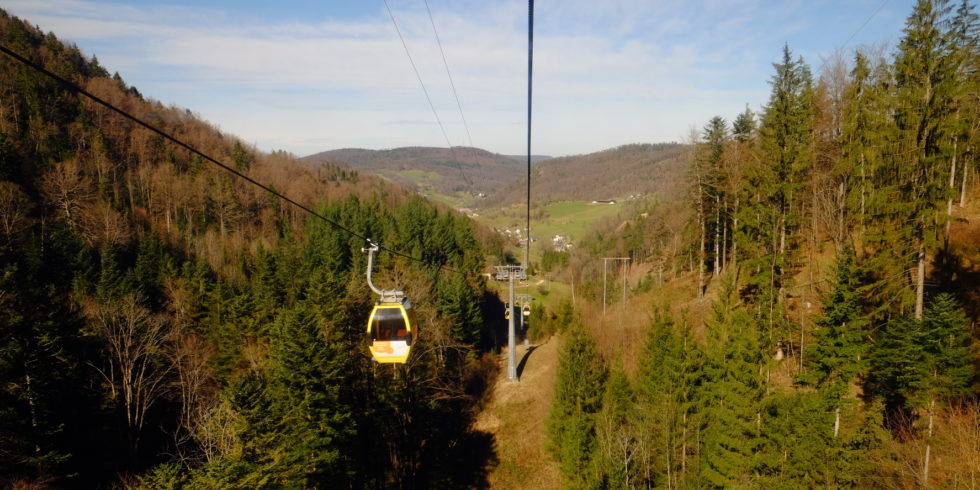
516, 416
518, 412
572, 218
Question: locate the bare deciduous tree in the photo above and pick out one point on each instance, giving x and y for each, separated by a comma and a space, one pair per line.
68, 189
216, 430
101, 224
135, 362
195, 383
15, 207
621, 446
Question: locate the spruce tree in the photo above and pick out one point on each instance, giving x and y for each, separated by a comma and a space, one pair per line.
296, 423
773, 209
797, 438
459, 304
734, 391
744, 126
618, 434
577, 400
863, 137
913, 178
659, 388
917, 365
838, 356
948, 364
948, 345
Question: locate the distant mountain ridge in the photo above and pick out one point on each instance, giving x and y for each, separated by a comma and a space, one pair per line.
634, 169
444, 171
534, 158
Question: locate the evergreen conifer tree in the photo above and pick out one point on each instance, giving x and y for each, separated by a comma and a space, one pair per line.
838, 356
578, 398
297, 424
913, 178
659, 391
773, 209
617, 431
733, 393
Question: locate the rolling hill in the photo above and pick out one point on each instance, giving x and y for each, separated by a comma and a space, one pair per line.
616, 173
432, 171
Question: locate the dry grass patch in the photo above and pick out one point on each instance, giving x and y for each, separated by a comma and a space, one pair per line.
517, 416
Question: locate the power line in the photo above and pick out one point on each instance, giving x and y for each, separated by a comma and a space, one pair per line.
448, 74
426, 92
75, 88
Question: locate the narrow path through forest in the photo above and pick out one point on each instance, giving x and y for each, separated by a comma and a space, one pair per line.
516, 417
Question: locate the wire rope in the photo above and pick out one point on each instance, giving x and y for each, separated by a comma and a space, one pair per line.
448, 74
530, 64
866, 22
432, 106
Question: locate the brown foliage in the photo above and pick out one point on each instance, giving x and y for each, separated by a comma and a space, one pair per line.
608, 174
103, 225
955, 460
67, 189
15, 209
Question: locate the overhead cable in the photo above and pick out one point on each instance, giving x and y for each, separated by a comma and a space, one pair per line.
448, 74
530, 58
426, 92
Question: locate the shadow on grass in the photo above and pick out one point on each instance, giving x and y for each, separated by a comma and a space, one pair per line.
527, 355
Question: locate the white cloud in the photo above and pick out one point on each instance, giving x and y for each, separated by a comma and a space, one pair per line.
606, 73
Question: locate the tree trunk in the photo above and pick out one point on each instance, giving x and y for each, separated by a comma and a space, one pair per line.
701, 250
724, 238
863, 192
802, 326
684, 445
925, 463
952, 187
782, 233
836, 422
920, 282
966, 174
572, 273
717, 235
30, 403
735, 229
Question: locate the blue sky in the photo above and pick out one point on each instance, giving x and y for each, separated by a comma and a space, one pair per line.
312, 76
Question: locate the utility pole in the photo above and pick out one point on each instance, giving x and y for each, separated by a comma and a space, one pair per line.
605, 262
511, 273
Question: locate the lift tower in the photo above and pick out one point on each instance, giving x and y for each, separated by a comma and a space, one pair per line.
511, 273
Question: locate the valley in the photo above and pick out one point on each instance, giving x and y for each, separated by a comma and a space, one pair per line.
789, 298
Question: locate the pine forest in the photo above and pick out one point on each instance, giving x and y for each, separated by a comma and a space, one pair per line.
796, 307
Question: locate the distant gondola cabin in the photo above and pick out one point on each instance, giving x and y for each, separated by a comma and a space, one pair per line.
390, 332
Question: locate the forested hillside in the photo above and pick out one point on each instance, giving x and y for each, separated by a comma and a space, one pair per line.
164, 323
814, 296
609, 174
444, 171
799, 308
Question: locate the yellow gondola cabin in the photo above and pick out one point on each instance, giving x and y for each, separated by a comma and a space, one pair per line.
389, 331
